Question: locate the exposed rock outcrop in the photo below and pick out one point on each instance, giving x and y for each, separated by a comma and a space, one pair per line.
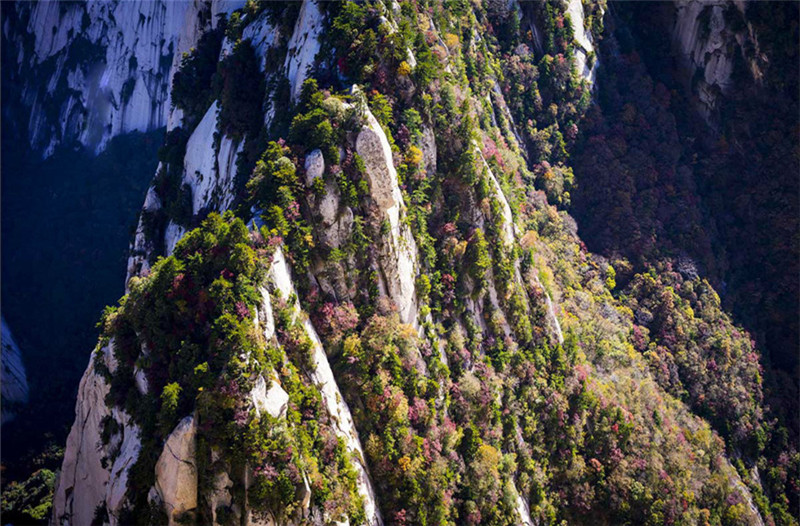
707, 42
314, 165
585, 43
398, 250
13, 381
176, 471
280, 273
272, 400
303, 46
209, 171
94, 473
97, 69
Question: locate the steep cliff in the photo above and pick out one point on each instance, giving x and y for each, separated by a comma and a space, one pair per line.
14, 381
368, 310
89, 71
709, 37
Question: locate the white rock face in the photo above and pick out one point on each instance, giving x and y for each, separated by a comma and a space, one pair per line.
262, 36
509, 228
209, 173
13, 382
702, 40
117, 58
210, 187
273, 400
551, 313
127, 455
84, 483
584, 42
172, 234
265, 314
315, 166
137, 261
398, 250
141, 380
303, 46
198, 164
280, 273
523, 510
176, 471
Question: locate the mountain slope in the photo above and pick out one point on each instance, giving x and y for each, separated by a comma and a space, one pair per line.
373, 308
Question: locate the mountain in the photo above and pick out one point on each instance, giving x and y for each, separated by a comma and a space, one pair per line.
359, 290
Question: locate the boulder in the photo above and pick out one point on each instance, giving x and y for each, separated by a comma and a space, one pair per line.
176, 471
273, 400
376, 153
315, 166
328, 205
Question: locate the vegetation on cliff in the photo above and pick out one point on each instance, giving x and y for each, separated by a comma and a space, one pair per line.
534, 377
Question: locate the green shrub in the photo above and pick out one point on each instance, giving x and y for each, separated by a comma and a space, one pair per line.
170, 397
240, 87
191, 86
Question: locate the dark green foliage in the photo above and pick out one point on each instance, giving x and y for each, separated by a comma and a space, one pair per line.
697, 354
191, 85
353, 34
240, 87
630, 171
313, 126
194, 312
674, 185
183, 310
31, 501
273, 188
479, 259
176, 197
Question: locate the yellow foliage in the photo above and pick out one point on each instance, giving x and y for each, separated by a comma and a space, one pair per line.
489, 459
414, 156
400, 413
529, 239
460, 249
423, 22
404, 69
404, 462
451, 41
373, 447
